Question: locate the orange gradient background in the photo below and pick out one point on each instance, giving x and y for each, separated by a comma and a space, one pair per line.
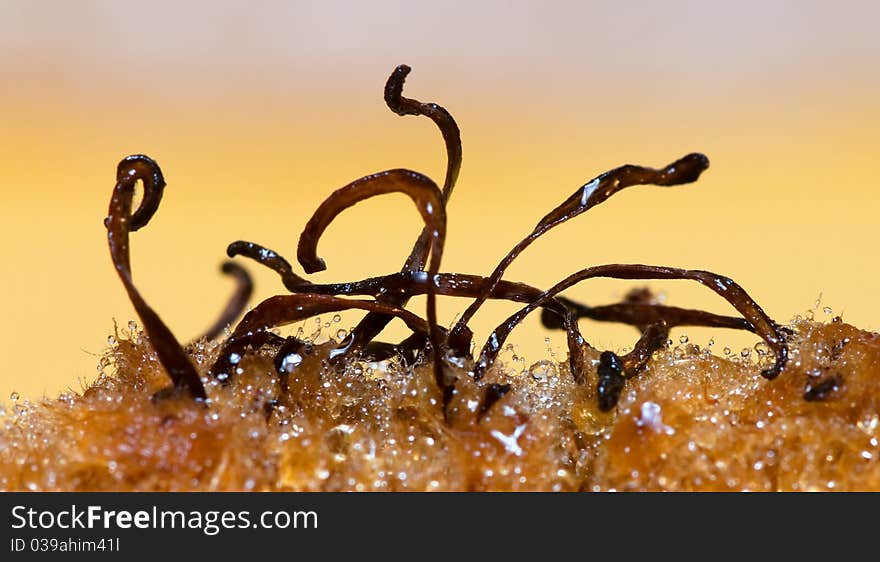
257, 111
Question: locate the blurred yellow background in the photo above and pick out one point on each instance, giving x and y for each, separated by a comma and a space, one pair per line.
256, 111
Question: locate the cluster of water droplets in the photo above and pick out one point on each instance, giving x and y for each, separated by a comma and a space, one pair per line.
819, 312
359, 425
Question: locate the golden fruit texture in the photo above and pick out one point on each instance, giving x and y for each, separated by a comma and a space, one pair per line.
690, 421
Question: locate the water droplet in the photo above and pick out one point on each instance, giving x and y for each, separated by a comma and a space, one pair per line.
711, 342
14, 397
542, 370
683, 340
132, 326
745, 352
726, 351
340, 334
651, 416
827, 310
868, 424
111, 341
337, 318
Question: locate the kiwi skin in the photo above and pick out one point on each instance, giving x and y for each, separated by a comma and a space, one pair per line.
690, 421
